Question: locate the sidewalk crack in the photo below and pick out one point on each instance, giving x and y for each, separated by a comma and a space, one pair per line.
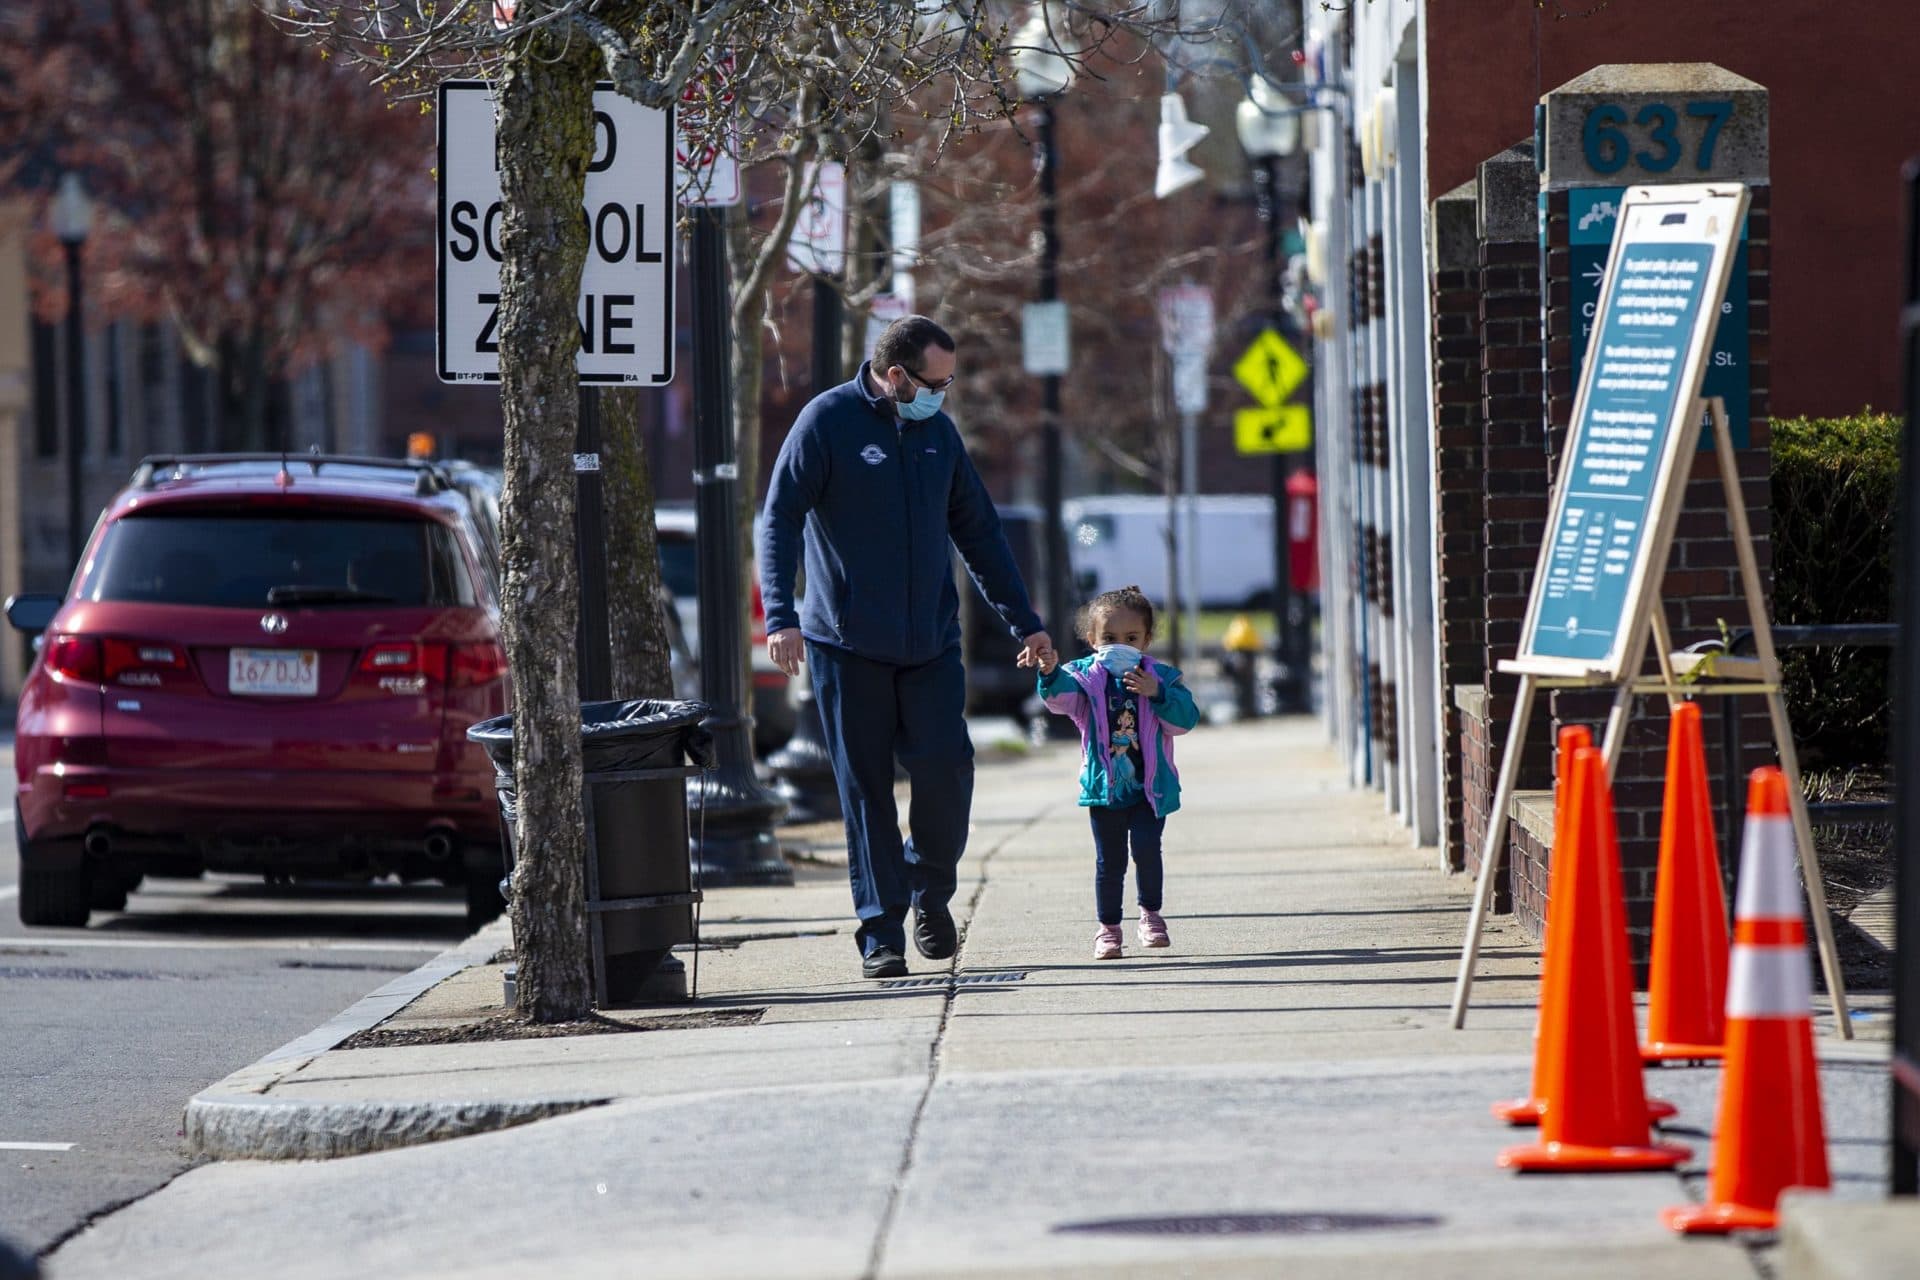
936, 1052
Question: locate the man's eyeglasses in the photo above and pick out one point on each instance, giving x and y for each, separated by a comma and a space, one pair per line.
931, 386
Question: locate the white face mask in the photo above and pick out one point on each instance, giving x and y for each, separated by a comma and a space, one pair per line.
923, 404
1117, 658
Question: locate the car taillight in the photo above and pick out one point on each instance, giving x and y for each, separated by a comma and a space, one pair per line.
124, 657
481, 663
461, 664
406, 659
759, 606
74, 658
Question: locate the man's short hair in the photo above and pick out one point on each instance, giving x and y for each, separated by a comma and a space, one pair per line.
906, 341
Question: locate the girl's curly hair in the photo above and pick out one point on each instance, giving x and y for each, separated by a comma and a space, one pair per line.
1129, 599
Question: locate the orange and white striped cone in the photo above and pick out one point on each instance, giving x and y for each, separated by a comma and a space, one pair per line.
1771, 1136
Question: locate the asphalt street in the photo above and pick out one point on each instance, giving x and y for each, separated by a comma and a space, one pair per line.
106, 1032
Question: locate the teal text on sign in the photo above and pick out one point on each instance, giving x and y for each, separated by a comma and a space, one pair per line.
1593, 213
1658, 137
1607, 506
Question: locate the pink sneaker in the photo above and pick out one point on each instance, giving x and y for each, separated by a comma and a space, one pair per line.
1153, 930
1106, 943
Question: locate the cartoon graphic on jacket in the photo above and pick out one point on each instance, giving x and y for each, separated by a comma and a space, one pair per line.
1114, 734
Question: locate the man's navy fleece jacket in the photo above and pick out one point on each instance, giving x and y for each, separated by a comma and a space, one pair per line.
876, 501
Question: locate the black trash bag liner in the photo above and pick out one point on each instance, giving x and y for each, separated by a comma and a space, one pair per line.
642, 733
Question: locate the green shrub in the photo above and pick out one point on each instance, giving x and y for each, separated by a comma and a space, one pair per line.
1835, 491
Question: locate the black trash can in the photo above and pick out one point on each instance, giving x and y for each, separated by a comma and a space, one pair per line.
637, 756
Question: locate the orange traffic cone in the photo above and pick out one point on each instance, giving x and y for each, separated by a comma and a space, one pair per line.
1687, 988
1770, 1133
1521, 1112
1595, 1116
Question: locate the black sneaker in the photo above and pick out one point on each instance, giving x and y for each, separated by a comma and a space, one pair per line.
934, 934
884, 962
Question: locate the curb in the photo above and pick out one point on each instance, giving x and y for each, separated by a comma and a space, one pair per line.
234, 1120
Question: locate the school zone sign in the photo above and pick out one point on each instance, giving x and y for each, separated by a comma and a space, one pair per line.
626, 289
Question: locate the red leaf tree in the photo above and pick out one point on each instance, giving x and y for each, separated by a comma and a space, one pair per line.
261, 198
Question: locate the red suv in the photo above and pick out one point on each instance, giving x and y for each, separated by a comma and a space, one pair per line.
264, 666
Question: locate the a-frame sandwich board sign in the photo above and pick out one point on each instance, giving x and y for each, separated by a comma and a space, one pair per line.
1595, 602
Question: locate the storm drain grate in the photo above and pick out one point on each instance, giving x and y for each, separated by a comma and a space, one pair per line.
63, 973
962, 980
1250, 1224
345, 967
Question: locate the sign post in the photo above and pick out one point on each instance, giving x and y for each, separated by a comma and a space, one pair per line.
1595, 603
1186, 332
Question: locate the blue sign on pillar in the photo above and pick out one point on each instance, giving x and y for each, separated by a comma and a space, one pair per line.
1594, 213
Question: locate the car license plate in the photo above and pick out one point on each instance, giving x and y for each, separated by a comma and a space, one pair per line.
273, 673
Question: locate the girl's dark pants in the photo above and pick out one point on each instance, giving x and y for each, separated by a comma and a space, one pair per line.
1113, 829
872, 712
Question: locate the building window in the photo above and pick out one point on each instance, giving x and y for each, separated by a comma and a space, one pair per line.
46, 390
116, 402
196, 388
152, 345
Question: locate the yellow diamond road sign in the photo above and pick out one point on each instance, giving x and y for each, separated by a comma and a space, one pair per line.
1271, 369
1286, 429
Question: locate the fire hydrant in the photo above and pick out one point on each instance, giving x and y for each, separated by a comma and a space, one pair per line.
1242, 644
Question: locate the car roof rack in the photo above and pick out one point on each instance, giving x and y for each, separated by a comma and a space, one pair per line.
428, 477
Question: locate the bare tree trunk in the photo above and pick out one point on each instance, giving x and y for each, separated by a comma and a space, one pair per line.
642, 660
545, 142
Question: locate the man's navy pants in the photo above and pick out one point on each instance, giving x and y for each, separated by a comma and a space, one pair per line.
872, 712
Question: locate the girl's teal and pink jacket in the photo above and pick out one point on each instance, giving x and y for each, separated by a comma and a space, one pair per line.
1078, 690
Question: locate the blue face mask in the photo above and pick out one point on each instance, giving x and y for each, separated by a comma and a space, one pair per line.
1118, 659
924, 405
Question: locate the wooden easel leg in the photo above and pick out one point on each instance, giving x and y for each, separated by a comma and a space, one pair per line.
1616, 736
1490, 852
1777, 710
1663, 648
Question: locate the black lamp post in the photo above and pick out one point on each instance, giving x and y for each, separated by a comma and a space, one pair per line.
1269, 130
734, 839
72, 221
803, 768
1043, 68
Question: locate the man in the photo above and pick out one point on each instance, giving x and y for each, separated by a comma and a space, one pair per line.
876, 483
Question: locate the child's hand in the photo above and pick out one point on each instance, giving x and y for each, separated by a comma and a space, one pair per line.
1047, 660
1142, 681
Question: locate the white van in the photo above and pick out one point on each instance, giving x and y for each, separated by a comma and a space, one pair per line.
1115, 541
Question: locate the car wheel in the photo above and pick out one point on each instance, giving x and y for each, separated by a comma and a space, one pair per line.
57, 898
484, 903
106, 891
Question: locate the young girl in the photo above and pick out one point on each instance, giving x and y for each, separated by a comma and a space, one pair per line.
1128, 708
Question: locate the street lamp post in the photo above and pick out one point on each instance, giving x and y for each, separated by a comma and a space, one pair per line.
735, 842
1269, 130
1043, 68
72, 221
803, 768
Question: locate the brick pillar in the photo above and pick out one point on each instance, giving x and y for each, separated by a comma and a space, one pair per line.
1459, 474
1514, 497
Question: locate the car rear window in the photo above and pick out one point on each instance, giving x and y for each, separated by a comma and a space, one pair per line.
247, 560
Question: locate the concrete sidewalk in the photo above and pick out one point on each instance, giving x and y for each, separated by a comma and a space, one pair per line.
1278, 1094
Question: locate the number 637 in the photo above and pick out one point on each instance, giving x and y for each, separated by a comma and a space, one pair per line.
1608, 147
